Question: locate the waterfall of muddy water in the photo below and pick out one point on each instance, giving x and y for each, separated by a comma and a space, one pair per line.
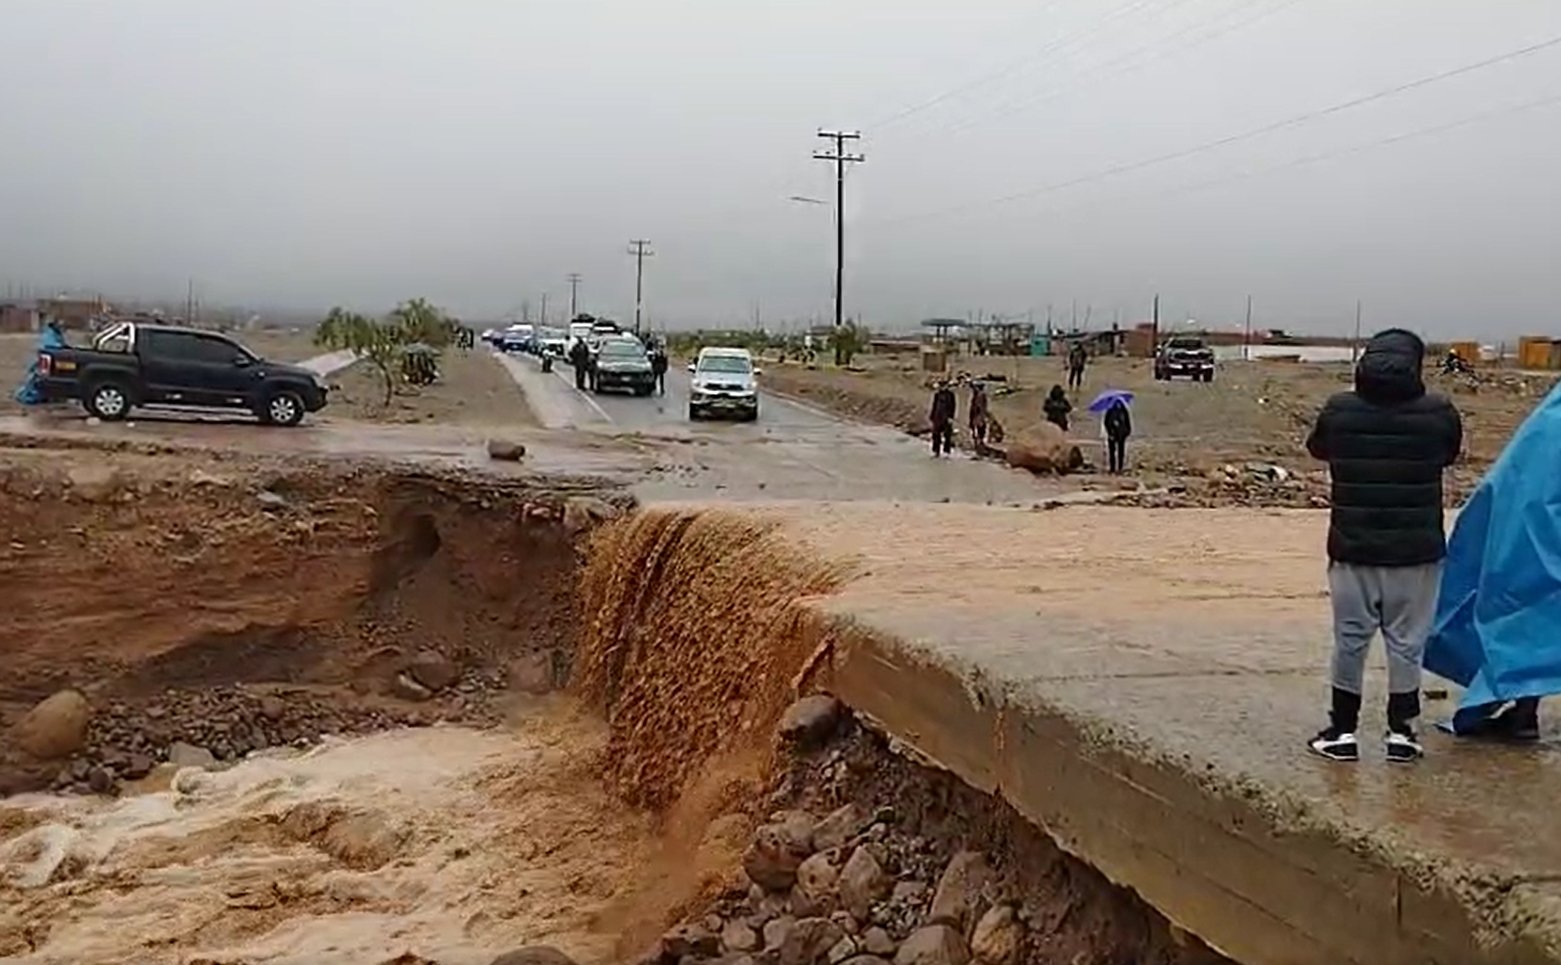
699, 628
453, 843
699, 635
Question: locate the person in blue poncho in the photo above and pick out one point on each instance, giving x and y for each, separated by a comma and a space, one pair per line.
1499, 609
1386, 444
30, 392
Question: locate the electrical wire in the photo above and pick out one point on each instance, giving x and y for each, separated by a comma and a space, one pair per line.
1007, 70
1133, 61
1293, 121
1550, 101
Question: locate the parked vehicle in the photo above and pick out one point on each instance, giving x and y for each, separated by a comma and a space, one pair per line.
622, 363
517, 338
723, 381
132, 365
1184, 355
552, 342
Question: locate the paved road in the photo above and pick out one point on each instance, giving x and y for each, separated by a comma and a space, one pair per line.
793, 451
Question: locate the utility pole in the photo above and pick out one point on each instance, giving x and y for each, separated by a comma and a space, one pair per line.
1355, 345
543, 320
1154, 328
189, 302
574, 295
640, 249
839, 158
1246, 341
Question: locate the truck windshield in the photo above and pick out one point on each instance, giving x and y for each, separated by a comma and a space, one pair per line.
622, 350
1186, 343
725, 363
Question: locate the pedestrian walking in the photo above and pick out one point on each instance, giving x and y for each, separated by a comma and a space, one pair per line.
980, 415
1386, 444
1056, 408
1117, 424
580, 361
942, 418
1077, 359
658, 367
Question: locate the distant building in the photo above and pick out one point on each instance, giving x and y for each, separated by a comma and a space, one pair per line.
73, 312
16, 317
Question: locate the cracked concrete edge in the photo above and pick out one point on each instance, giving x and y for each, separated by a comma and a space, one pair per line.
1256, 873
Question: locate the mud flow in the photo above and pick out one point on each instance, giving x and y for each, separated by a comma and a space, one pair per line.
314, 713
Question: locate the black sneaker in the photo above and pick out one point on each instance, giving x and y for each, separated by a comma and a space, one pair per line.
1403, 747
1520, 721
1334, 744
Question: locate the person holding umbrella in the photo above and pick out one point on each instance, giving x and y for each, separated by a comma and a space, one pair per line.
1116, 424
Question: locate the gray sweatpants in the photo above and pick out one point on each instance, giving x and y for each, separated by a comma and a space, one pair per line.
1398, 600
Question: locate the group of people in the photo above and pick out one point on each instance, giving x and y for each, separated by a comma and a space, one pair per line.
1480, 608
1116, 420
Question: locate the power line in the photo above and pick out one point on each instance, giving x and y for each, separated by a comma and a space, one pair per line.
1135, 60
1292, 121
840, 159
1009, 69
1431, 130
640, 249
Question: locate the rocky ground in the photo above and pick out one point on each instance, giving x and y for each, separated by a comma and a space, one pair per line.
867, 858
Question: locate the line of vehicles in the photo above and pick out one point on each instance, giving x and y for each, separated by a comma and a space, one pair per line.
722, 381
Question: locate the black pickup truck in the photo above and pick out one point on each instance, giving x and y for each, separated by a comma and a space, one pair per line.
133, 365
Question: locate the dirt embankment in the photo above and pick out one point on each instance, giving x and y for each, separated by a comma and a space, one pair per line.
248, 605
246, 608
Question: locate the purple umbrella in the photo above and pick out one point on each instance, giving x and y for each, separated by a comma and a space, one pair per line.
1104, 400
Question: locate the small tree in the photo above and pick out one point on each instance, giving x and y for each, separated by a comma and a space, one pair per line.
848, 340
384, 342
366, 338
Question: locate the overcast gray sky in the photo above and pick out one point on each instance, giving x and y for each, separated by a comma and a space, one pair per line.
305, 153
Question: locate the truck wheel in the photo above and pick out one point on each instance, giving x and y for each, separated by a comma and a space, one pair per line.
283, 408
109, 401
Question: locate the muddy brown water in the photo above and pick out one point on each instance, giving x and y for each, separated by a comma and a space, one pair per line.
265, 610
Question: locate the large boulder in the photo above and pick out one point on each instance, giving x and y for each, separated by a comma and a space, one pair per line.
534, 955
778, 850
933, 945
1044, 448
56, 727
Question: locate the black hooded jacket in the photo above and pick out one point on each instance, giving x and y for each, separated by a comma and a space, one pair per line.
1386, 444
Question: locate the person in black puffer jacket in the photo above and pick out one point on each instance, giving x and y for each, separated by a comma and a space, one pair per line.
1386, 444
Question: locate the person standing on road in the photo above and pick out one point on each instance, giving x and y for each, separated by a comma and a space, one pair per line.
658, 367
580, 361
1077, 359
1117, 423
942, 418
1057, 408
980, 414
1386, 444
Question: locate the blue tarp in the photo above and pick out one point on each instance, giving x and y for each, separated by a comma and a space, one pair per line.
29, 392
1498, 618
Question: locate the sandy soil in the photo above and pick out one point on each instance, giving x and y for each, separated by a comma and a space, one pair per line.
455, 843
1254, 411
473, 390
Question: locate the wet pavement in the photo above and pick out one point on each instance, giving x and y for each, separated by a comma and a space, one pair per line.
1142, 683
793, 451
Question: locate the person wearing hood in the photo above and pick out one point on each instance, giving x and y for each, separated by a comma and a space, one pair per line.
1057, 407
1386, 444
942, 418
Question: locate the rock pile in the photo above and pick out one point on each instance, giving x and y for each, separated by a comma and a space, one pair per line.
853, 886
848, 889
